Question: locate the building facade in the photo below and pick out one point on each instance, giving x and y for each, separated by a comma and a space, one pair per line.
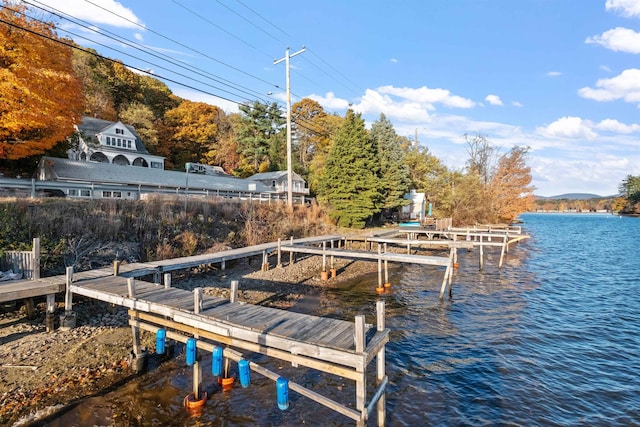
111, 142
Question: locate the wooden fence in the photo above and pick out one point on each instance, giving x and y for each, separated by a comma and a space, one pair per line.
26, 263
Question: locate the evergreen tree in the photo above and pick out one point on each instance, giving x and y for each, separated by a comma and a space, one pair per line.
394, 173
260, 137
350, 184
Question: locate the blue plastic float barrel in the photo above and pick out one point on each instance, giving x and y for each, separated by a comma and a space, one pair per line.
245, 375
161, 339
191, 351
282, 390
216, 361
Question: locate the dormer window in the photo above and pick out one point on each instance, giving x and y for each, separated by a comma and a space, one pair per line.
119, 131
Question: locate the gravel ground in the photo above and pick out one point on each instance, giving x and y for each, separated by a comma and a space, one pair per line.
42, 372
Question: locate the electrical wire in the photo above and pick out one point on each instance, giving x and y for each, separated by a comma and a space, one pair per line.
141, 48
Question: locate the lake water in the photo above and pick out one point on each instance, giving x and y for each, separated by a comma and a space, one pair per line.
551, 339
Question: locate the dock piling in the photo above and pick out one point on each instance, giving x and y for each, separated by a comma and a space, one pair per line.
68, 319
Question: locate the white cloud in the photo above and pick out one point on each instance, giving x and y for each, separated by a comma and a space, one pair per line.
107, 12
605, 68
624, 86
568, 128
428, 96
554, 73
630, 8
330, 101
493, 100
612, 125
394, 60
374, 102
516, 104
553, 176
618, 39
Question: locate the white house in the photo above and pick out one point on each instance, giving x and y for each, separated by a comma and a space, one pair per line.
277, 181
416, 209
112, 142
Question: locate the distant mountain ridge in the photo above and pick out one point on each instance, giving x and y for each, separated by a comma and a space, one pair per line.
575, 196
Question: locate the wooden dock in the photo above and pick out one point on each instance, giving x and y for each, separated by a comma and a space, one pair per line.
328, 345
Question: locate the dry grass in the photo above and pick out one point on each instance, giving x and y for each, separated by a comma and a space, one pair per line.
88, 233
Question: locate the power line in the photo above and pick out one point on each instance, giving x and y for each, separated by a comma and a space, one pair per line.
185, 46
355, 86
210, 22
246, 20
300, 122
53, 39
144, 49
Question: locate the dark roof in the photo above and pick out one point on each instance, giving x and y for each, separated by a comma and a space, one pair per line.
91, 126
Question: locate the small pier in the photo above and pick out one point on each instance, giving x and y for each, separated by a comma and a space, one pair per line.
332, 346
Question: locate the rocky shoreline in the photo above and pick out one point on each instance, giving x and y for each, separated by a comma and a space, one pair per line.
42, 372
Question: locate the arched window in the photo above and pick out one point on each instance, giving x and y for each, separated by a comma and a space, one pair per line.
99, 157
120, 160
140, 162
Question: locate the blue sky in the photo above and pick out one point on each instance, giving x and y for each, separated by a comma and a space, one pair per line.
559, 76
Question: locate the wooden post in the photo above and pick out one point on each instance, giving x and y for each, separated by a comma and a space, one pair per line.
279, 264
291, 256
379, 267
324, 256
361, 383
386, 269
481, 251
197, 300
30, 308
131, 287
222, 265
36, 259
50, 313
233, 291
197, 380
504, 248
265, 261
167, 280
380, 364
332, 260
68, 319
116, 267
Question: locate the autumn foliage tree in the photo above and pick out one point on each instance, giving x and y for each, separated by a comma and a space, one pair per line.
191, 130
511, 189
40, 96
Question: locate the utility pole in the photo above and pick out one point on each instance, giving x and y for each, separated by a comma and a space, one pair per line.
289, 168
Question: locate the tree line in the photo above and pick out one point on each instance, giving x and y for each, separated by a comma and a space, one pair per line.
629, 200
359, 175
